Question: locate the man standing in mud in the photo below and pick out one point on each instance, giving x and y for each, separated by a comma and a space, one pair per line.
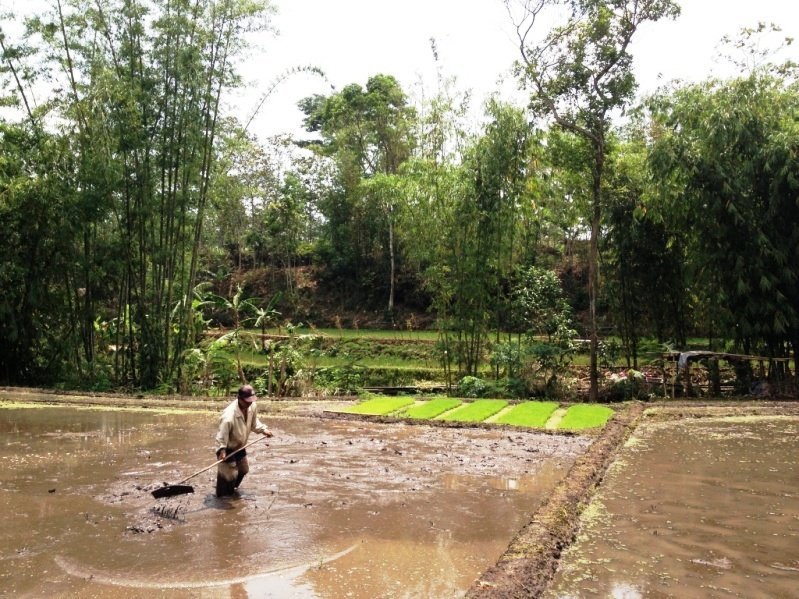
237, 420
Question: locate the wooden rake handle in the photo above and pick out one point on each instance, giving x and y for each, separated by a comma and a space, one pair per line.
222, 460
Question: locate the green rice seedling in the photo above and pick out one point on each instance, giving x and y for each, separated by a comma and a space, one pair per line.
529, 413
585, 416
380, 406
431, 409
476, 411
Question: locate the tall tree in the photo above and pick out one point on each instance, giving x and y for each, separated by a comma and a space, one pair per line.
645, 287
579, 73
140, 87
368, 132
40, 224
726, 169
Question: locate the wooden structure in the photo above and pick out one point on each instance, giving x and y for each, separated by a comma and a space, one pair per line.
766, 381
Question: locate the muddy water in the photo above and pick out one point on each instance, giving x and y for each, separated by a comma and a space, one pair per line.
330, 509
704, 508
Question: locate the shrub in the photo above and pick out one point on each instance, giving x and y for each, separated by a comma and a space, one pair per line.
472, 386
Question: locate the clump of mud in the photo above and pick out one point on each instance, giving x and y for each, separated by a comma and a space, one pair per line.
165, 514
158, 517
148, 515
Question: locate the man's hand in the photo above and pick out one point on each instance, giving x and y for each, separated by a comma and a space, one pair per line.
268, 434
220, 455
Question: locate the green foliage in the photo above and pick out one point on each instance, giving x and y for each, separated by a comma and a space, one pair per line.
538, 304
133, 104
113, 212
340, 380
476, 411
529, 413
221, 371
380, 406
584, 416
41, 323
506, 358
579, 72
431, 409
644, 274
727, 151
485, 228
367, 132
472, 386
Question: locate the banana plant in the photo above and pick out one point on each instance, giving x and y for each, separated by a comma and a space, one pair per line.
239, 308
243, 310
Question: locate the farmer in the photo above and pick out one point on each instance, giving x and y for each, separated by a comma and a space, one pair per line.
237, 420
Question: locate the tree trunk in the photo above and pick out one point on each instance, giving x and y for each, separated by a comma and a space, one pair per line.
391, 255
593, 267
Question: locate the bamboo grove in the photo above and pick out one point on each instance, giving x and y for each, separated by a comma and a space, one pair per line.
109, 180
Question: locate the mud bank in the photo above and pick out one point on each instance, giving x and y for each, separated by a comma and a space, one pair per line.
531, 561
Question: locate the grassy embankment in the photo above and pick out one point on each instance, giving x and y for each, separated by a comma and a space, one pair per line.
393, 358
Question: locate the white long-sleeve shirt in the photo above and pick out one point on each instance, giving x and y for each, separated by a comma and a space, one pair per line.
234, 429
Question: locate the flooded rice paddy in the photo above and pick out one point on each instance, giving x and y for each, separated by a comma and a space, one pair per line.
330, 509
693, 508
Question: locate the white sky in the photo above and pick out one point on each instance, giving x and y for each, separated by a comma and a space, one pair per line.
350, 40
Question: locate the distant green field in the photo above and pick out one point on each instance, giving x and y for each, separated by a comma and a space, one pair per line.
377, 362
410, 335
529, 413
431, 409
380, 406
476, 411
585, 416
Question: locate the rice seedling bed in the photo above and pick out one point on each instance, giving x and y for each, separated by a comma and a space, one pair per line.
380, 406
476, 411
431, 409
529, 413
585, 416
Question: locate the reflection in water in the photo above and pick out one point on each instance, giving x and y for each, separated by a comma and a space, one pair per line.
693, 508
331, 509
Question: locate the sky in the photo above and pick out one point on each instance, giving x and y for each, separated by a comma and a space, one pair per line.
351, 40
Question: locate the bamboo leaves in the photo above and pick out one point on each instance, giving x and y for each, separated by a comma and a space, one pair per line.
729, 147
143, 81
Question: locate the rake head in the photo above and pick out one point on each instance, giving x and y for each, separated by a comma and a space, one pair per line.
172, 490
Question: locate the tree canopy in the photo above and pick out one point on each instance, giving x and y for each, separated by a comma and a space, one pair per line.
128, 198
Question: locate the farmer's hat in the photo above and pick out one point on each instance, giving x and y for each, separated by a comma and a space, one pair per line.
247, 393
